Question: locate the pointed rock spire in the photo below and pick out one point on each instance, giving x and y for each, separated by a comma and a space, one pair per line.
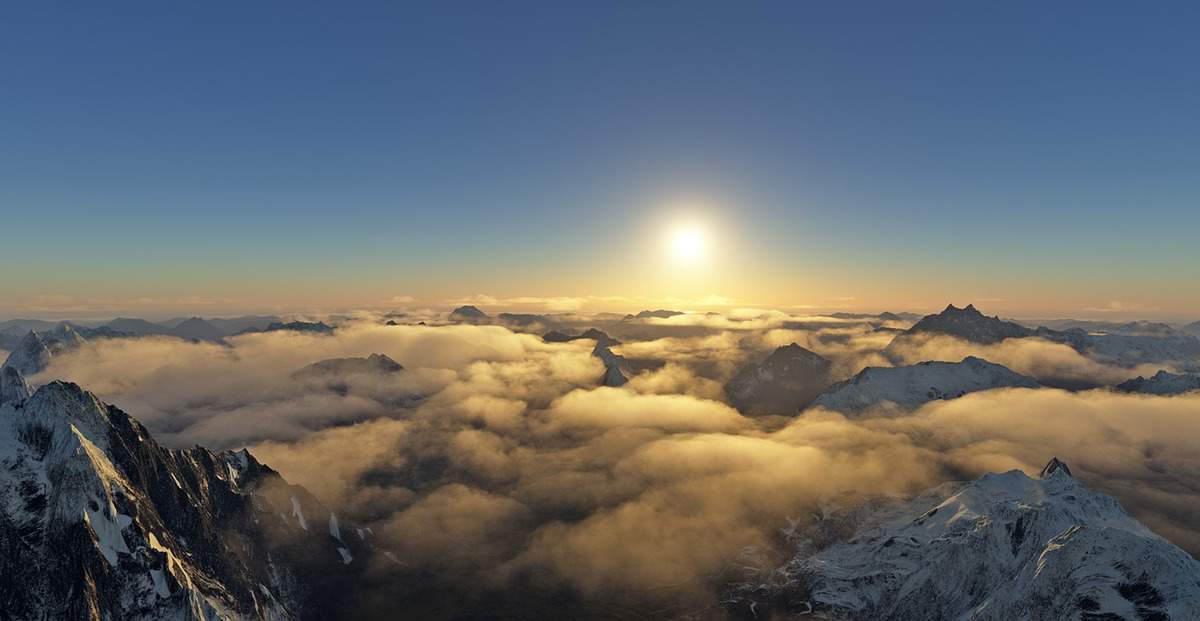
1053, 466
12, 385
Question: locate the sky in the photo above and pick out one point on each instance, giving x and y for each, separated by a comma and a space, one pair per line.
1035, 159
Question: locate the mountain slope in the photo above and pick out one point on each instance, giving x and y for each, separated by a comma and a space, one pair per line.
1005, 546
99, 522
788, 380
906, 388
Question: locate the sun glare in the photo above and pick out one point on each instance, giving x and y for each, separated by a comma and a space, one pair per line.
687, 245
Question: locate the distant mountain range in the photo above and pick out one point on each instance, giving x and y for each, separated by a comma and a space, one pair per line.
1125, 345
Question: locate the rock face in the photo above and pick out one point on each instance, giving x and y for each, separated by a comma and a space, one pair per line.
1162, 383
1005, 546
97, 521
970, 325
787, 381
899, 389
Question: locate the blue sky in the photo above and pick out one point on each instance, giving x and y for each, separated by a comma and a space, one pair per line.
292, 154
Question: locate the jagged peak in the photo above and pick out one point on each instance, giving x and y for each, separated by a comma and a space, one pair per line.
1055, 465
792, 351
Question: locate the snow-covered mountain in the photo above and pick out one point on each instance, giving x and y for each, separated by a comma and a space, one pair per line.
906, 388
34, 351
1162, 383
1006, 546
787, 381
97, 521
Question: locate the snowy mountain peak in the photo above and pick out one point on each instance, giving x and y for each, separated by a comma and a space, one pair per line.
1005, 546
1053, 467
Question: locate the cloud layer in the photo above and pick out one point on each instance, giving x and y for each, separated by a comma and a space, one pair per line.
515, 470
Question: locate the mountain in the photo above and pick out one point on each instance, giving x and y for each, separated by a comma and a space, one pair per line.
1005, 546
31, 355
197, 329
907, 388
970, 325
524, 320
661, 313
884, 316
138, 327
375, 364
601, 337
97, 521
33, 352
787, 381
234, 325
1162, 383
318, 327
469, 314
1192, 328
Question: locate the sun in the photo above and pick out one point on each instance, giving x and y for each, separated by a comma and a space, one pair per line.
687, 245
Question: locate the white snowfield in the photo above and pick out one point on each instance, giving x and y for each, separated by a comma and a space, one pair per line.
1006, 546
898, 389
